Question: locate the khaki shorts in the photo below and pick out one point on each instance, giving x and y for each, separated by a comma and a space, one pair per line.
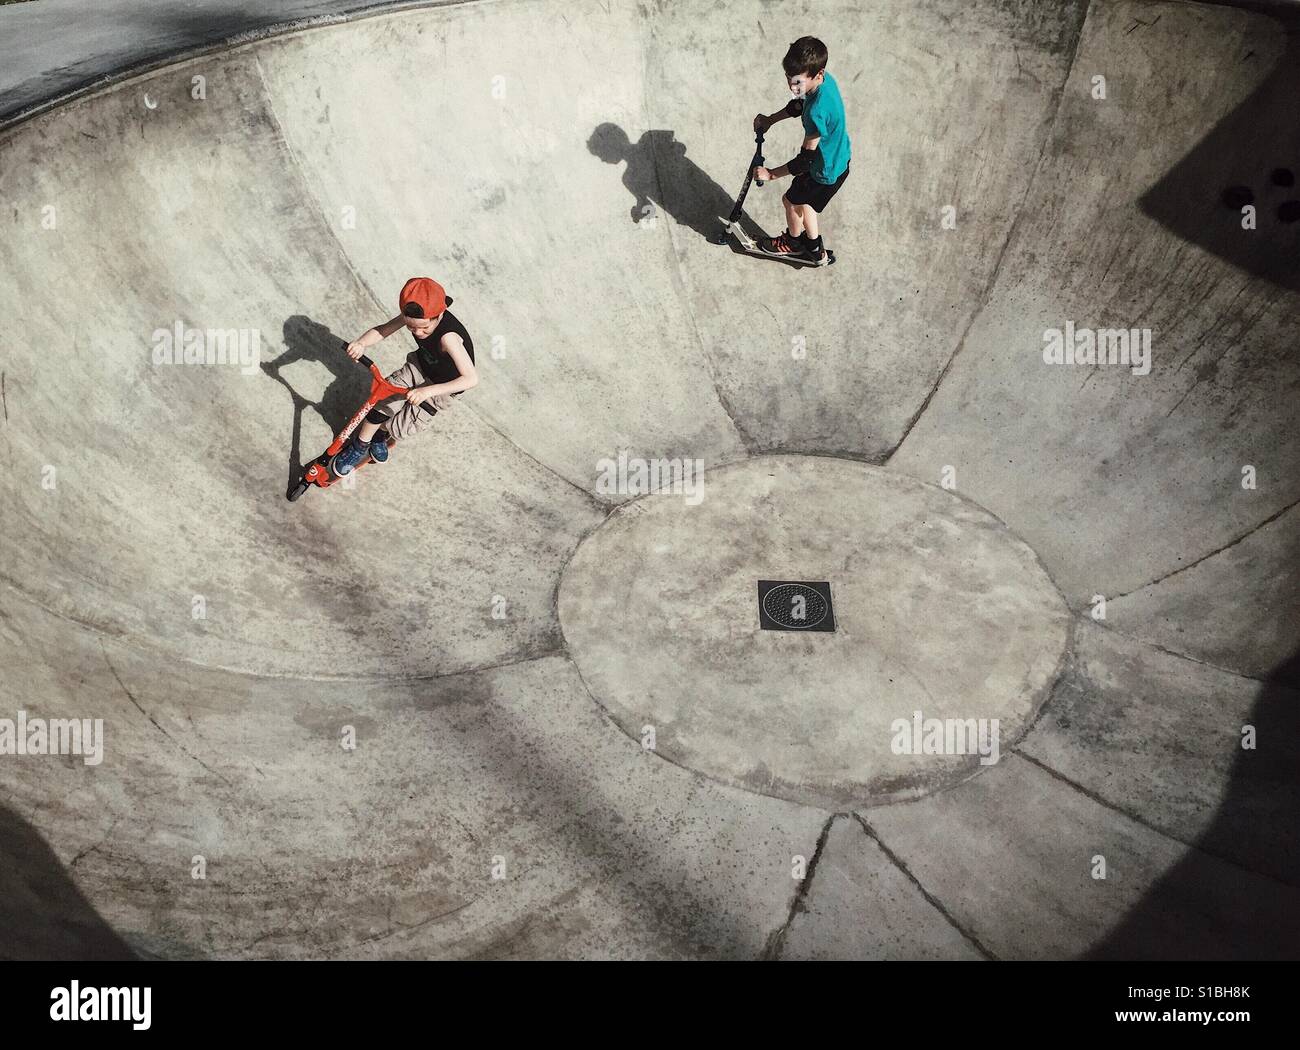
405, 420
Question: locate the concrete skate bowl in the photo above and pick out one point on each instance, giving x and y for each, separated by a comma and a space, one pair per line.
460, 710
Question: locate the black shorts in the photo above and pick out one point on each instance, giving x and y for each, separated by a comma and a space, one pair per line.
807, 190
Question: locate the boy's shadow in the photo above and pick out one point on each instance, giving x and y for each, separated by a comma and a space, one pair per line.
349, 383
661, 178
42, 911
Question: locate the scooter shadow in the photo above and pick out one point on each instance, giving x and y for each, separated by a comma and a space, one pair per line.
307, 340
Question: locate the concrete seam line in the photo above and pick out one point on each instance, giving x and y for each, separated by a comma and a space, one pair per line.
1192, 847
1218, 550
1138, 639
934, 901
706, 360
776, 940
1019, 211
1063, 664
296, 163
154, 722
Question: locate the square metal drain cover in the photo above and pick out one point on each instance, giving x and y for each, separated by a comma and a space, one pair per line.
785, 605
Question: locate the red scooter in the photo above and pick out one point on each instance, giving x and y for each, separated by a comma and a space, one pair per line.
321, 472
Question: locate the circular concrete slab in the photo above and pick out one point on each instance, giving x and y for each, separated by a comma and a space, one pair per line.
948, 632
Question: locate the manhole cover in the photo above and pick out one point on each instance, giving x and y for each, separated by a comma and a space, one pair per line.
787, 606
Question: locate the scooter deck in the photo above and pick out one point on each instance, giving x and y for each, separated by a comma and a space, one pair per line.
320, 468
758, 253
741, 244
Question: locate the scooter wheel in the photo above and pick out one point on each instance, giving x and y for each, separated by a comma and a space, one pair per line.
296, 492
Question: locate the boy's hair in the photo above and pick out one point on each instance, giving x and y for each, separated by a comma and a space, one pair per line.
807, 55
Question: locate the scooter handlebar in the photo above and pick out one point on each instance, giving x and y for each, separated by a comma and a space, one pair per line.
363, 360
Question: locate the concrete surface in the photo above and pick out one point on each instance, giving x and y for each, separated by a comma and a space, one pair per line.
668, 641
893, 917
60, 47
561, 169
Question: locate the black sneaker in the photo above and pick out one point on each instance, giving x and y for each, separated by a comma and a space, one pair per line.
813, 251
782, 244
787, 247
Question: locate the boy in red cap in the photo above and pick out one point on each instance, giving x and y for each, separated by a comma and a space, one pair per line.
440, 368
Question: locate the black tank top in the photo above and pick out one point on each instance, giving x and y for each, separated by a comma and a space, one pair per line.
435, 363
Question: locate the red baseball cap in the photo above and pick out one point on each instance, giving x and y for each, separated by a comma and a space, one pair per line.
424, 292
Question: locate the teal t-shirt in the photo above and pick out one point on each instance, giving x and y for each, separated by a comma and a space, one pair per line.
823, 114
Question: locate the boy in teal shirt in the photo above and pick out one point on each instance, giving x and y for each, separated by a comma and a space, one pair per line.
822, 164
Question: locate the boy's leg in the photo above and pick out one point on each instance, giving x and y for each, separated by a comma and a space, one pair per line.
802, 201
408, 375
811, 226
801, 241
819, 196
785, 243
813, 198
405, 420
396, 416
794, 221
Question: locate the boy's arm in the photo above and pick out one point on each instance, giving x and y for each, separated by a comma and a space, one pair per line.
468, 378
799, 164
793, 108
373, 335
